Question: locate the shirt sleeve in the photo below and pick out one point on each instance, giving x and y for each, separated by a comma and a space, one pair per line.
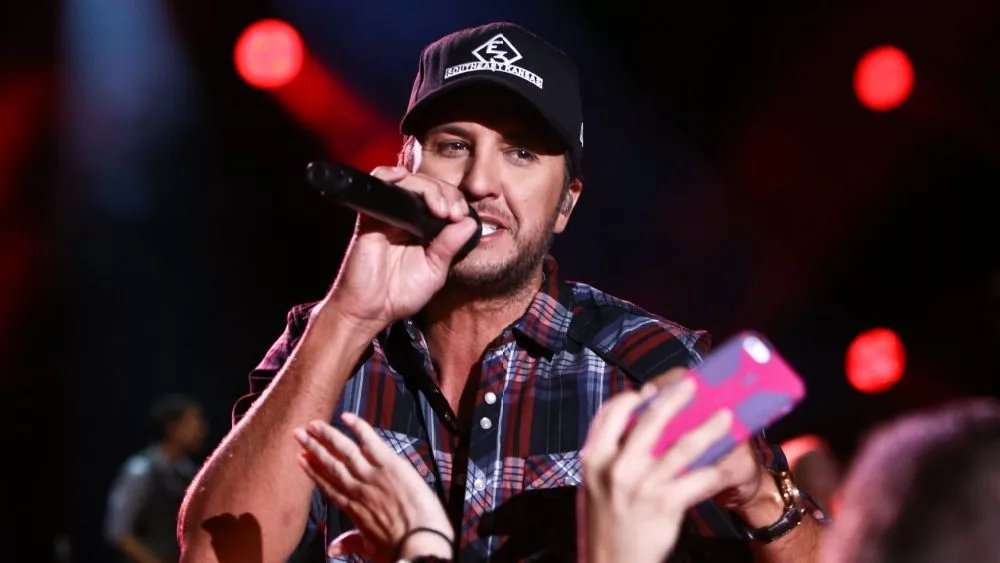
276, 357
127, 497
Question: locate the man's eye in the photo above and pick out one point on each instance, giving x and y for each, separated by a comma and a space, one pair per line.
523, 155
451, 147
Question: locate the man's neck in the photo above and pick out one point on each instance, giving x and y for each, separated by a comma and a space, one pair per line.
459, 328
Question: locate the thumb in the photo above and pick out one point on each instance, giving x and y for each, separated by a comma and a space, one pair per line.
349, 542
449, 241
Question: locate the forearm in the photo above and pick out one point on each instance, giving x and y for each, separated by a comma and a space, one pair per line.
251, 485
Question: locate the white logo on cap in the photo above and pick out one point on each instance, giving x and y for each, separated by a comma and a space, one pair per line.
498, 47
496, 55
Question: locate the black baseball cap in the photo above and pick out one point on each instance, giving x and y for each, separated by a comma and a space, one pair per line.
507, 55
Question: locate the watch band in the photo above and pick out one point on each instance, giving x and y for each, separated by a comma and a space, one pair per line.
790, 518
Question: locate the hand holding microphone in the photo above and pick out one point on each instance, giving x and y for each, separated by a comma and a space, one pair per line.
369, 195
385, 276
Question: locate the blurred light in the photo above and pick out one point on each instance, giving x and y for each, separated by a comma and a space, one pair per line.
353, 131
795, 448
269, 54
875, 360
883, 78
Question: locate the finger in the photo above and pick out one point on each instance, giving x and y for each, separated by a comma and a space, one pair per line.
341, 447
333, 488
695, 487
441, 251
670, 400
670, 376
324, 464
390, 174
692, 445
606, 430
371, 444
458, 206
433, 191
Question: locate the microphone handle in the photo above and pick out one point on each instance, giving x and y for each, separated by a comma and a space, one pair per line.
390, 204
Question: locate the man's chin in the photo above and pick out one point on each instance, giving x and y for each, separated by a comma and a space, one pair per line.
481, 278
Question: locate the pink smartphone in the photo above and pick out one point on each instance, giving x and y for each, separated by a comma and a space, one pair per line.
746, 375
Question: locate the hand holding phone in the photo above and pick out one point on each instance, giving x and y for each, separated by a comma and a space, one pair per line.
745, 375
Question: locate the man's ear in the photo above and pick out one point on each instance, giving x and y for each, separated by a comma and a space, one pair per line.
567, 204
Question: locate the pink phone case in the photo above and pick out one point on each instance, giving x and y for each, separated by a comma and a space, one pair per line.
746, 375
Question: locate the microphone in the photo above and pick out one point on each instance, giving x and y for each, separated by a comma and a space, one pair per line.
370, 196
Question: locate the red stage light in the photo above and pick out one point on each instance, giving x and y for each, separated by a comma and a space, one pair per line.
875, 360
883, 78
269, 53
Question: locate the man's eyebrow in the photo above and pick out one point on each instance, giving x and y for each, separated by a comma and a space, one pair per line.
457, 130
521, 136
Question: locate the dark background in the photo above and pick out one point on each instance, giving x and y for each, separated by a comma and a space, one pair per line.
155, 228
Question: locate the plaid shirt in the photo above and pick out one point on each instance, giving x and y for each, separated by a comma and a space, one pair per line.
508, 477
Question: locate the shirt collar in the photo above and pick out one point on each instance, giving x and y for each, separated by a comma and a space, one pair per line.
546, 322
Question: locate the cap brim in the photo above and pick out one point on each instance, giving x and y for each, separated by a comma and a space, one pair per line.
410, 124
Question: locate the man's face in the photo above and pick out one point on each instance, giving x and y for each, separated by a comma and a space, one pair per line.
511, 168
190, 430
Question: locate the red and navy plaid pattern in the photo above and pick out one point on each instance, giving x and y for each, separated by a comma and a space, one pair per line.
507, 475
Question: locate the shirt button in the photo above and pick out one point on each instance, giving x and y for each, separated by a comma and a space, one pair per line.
491, 398
479, 484
485, 423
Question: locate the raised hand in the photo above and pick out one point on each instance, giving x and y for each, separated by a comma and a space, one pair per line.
385, 274
380, 492
632, 504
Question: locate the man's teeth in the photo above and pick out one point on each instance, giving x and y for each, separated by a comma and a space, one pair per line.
488, 229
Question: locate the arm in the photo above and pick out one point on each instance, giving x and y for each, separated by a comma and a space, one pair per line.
248, 503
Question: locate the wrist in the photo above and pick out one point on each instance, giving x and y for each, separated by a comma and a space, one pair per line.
766, 506
422, 542
331, 316
792, 511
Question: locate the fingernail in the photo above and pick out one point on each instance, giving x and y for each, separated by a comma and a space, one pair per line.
458, 208
348, 417
301, 436
648, 390
316, 426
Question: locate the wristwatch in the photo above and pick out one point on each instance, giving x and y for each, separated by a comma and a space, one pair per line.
790, 519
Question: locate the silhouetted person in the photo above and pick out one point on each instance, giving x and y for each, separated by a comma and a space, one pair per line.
141, 520
924, 489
